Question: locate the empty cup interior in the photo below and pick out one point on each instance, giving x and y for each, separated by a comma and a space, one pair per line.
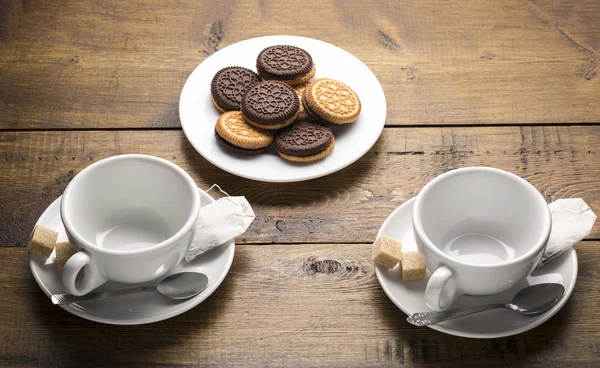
129, 203
483, 216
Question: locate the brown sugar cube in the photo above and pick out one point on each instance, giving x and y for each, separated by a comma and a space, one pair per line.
43, 241
387, 252
413, 267
64, 251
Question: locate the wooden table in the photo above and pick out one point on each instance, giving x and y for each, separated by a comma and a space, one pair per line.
512, 84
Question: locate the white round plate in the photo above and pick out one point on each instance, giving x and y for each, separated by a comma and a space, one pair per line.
138, 308
408, 295
198, 115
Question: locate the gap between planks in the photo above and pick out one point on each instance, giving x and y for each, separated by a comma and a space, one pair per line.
296, 243
407, 126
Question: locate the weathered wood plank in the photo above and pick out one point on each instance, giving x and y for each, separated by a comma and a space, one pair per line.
295, 305
348, 206
74, 64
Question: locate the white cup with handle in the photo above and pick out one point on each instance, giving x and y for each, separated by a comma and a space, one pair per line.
480, 230
131, 219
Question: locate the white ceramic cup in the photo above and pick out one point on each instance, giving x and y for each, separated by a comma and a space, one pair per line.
131, 218
480, 230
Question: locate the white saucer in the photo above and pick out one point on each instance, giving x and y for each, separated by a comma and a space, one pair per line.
198, 116
408, 296
138, 308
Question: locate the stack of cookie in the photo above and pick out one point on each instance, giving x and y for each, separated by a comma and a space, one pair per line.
280, 103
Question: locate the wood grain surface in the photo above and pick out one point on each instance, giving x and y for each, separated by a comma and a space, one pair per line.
512, 84
348, 206
116, 64
293, 306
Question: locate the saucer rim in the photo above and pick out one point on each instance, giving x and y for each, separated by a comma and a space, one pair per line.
193, 302
572, 254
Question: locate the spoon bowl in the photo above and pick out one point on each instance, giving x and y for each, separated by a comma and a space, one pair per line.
182, 285
536, 299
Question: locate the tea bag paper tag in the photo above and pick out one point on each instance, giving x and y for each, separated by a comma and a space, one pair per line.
218, 223
572, 220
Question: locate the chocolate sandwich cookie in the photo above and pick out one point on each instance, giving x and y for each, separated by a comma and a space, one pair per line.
288, 64
233, 133
229, 85
304, 141
270, 105
331, 101
308, 112
302, 114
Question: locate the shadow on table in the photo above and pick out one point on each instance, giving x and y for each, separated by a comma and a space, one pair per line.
329, 207
76, 340
307, 191
422, 345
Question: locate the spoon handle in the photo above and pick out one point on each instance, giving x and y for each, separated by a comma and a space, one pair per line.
428, 318
68, 298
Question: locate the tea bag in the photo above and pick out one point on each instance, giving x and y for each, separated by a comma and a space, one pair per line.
218, 223
572, 220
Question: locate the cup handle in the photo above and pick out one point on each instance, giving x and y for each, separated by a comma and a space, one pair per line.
91, 279
437, 296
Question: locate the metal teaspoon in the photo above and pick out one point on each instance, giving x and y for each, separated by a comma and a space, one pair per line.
533, 299
183, 285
